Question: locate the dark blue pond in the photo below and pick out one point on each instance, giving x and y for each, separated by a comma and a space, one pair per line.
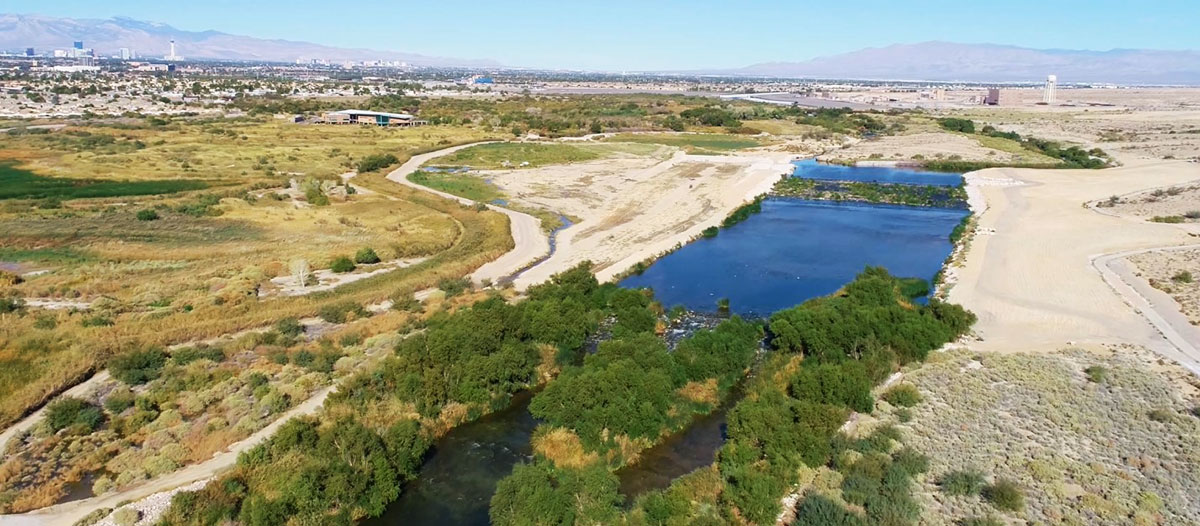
811, 169
796, 250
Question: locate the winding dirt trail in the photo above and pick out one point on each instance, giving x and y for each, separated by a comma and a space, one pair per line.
529, 242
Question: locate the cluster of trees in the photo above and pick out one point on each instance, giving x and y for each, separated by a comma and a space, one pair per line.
844, 120
743, 212
628, 389
340, 471
850, 342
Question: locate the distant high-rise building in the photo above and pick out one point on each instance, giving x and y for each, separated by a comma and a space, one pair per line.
173, 55
29, 52
1048, 92
126, 54
79, 45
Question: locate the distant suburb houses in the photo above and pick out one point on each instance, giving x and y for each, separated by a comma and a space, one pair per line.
377, 118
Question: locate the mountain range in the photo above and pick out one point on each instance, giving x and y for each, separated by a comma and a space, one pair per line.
933, 61
949, 61
150, 39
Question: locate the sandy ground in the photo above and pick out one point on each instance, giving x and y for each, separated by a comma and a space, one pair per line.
529, 243
1172, 201
1032, 282
634, 208
1162, 270
920, 145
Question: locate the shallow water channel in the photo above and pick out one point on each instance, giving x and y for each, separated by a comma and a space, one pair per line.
792, 251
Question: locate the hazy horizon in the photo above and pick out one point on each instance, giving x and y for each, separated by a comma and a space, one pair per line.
670, 36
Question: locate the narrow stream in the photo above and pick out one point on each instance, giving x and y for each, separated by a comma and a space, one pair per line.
456, 482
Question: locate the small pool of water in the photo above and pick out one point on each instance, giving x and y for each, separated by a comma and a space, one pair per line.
797, 249
811, 169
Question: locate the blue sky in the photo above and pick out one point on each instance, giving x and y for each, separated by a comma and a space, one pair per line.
618, 35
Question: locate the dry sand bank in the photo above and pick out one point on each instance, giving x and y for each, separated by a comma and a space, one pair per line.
634, 208
1031, 280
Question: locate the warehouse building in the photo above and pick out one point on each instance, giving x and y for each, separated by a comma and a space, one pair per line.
377, 118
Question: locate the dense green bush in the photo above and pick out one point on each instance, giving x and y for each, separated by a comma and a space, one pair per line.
1004, 495
871, 309
137, 367
454, 286
903, 395
188, 355
342, 264
1096, 373
962, 483
816, 510
958, 125
366, 256
148, 214
340, 312
69, 411
377, 161
539, 493
846, 384
289, 327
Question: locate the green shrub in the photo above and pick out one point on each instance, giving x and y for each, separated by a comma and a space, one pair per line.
119, 400
188, 355
406, 302
339, 312
1182, 276
68, 411
962, 483
1192, 214
903, 395
366, 256
958, 125
126, 516
137, 367
1096, 374
11, 304
816, 510
904, 414
454, 286
289, 327
1167, 219
342, 264
710, 232
980, 521
377, 161
99, 320
1162, 415
147, 214
1005, 495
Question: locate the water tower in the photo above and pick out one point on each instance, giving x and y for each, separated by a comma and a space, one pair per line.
1048, 91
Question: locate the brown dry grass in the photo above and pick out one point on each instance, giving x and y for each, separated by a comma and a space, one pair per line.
705, 392
563, 447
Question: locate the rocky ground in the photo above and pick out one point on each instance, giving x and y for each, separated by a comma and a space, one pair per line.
1123, 449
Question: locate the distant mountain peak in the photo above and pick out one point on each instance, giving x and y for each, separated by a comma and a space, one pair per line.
19, 31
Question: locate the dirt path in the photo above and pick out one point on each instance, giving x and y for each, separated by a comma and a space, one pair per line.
529, 242
1182, 339
1037, 280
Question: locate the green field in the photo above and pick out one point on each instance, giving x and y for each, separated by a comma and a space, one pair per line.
460, 184
693, 142
515, 155
21, 184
